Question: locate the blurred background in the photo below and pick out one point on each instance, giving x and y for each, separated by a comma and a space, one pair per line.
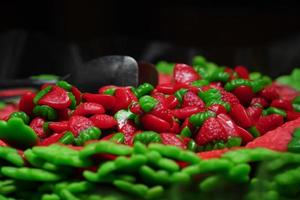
49, 36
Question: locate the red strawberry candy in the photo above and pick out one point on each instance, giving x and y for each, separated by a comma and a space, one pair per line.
282, 104
89, 108
166, 88
254, 112
244, 94
162, 112
292, 115
57, 98
259, 100
54, 138
191, 99
210, 131
172, 139
63, 114
270, 93
105, 100
106, 87
37, 125
240, 116
276, 139
229, 97
229, 126
184, 74
245, 135
78, 124
182, 113
103, 121
124, 97
26, 103
164, 78
135, 108
161, 98
217, 108
77, 94
269, 122
128, 129
242, 72
175, 127
152, 122
59, 127
187, 123
286, 92
171, 102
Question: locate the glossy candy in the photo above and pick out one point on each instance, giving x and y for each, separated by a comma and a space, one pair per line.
56, 98
89, 108
18, 134
139, 139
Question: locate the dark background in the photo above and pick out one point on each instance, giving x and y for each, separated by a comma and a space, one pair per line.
36, 36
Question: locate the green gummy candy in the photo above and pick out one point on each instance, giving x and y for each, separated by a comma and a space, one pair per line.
214, 165
66, 194
136, 189
50, 197
11, 155
105, 147
17, 133
240, 173
30, 174
210, 183
154, 177
61, 155
139, 148
168, 164
155, 192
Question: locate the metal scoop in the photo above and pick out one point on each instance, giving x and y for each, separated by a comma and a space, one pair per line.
66, 60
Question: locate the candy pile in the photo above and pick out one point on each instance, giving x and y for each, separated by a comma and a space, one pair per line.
204, 107
142, 140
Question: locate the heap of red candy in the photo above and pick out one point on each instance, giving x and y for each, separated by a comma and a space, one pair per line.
200, 109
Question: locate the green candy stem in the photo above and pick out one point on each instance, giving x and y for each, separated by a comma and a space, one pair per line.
179, 94
186, 132
65, 85
67, 138
261, 83
200, 83
273, 110
73, 100
147, 103
118, 138
91, 133
254, 132
199, 118
41, 93
144, 89
294, 144
210, 95
234, 142
21, 115
147, 137
296, 103
236, 83
110, 91
45, 111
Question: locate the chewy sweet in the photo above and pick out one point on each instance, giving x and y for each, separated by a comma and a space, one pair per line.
196, 132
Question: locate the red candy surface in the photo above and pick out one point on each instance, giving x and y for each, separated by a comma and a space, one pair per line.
190, 110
